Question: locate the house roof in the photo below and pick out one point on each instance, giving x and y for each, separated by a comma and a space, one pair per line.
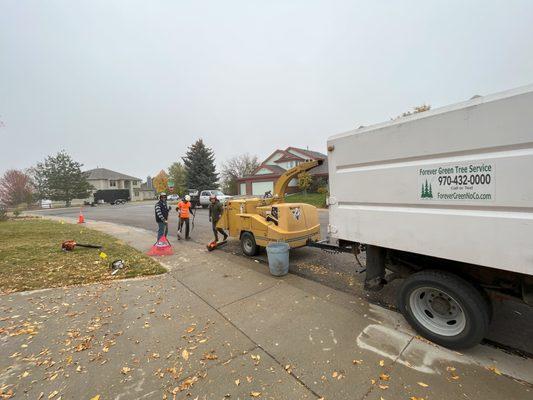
107, 174
276, 169
312, 154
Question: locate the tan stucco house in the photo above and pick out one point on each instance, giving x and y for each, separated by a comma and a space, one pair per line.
106, 179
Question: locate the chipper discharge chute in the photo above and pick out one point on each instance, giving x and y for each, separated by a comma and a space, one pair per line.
259, 221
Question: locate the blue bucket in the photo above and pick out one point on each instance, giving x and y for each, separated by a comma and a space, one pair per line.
278, 258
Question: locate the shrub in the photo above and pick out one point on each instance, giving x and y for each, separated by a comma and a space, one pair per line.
322, 190
3, 213
317, 183
16, 213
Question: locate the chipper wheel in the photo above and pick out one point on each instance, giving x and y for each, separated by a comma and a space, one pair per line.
248, 245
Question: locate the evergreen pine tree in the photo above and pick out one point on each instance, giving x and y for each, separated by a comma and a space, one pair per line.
422, 194
430, 193
199, 163
61, 178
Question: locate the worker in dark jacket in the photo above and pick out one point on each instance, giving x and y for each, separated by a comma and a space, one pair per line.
161, 215
215, 212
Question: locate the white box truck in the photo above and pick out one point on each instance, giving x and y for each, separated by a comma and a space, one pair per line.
444, 199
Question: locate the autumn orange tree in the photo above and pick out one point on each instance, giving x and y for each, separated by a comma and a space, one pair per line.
160, 182
304, 181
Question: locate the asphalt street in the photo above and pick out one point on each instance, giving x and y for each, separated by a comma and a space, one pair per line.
512, 322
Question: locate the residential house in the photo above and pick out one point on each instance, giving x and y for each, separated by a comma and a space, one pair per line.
263, 177
105, 179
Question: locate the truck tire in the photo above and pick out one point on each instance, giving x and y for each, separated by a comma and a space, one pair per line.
445, 308
248, 245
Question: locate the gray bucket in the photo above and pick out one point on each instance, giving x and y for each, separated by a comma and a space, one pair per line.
278, 258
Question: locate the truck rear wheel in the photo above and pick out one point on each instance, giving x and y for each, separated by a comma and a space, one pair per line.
445, 308
248, 245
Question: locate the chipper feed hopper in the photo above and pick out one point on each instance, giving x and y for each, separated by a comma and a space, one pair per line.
259, 221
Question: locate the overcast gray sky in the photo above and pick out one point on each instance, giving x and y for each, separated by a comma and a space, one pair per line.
128, 85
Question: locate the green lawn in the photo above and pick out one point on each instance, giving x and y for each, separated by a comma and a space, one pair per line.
315, 199
31, 256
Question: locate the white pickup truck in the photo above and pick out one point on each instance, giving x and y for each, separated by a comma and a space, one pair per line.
206, 194
444, 199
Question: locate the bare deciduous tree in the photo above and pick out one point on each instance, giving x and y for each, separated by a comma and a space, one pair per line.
15, 188
235, 168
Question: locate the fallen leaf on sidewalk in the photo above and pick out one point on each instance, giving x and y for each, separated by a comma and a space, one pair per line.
53, 394
416, 398
381, 363
185, 354
384, 377
237, 382
210, 356
97, 397
255, 394
125, 370
422, 384
494, 369
249, 379
357, 362
383, 387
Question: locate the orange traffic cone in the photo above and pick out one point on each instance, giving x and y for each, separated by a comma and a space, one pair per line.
81, 218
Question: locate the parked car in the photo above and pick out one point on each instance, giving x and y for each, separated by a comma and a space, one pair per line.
173, 197
45, 203
206, 194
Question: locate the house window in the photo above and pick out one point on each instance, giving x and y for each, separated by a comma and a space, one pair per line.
112, 183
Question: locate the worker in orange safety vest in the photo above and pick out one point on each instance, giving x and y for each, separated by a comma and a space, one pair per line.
184, 212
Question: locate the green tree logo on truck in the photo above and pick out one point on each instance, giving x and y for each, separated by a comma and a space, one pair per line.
427, 191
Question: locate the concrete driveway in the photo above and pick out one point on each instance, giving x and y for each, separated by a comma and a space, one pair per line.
512, 321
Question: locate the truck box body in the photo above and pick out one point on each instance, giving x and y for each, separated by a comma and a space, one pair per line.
454, 183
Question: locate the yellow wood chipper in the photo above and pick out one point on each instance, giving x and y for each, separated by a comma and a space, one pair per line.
259, 221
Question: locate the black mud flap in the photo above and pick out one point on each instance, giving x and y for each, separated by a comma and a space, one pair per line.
375, 268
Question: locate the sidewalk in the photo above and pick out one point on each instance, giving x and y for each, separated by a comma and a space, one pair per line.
219, 326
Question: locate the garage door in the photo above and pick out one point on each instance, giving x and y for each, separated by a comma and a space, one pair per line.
259, 188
